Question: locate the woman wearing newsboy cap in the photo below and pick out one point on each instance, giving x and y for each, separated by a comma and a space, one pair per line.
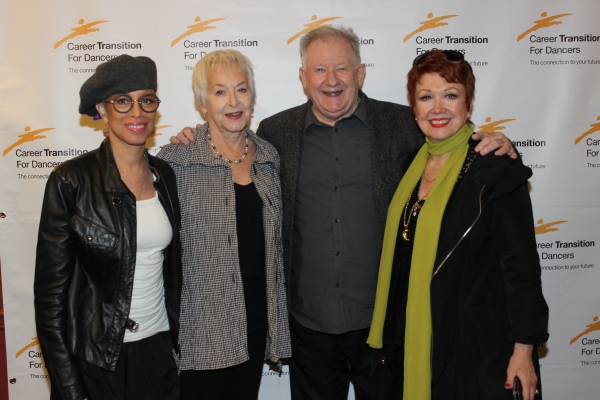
108, 271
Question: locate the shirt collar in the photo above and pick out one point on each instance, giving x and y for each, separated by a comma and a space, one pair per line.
199, 151
360, 113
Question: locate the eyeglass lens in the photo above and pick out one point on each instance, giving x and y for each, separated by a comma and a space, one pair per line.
123, 103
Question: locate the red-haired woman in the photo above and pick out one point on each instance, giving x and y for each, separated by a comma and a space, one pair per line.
459, 308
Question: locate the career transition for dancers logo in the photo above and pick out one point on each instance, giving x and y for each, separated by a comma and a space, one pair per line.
595, 127
28, 136
81, 29
33, 344
545, 41
542, 227
497, 125
199, 26
41, 156
33, 353
157, 129
545, 22
494, 126
316, 23
430, 23
422, 35
594, 326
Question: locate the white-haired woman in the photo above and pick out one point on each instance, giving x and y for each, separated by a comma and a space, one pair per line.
233, 313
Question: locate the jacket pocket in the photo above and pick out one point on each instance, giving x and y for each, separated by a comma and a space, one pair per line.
92, 234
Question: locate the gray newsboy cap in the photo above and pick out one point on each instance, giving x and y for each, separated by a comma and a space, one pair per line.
121, 74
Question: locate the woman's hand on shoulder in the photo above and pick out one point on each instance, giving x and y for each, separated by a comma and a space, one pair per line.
521, 365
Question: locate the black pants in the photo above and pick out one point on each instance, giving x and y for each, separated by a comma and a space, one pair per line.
240, 382
145, 370
387, 373
322, 365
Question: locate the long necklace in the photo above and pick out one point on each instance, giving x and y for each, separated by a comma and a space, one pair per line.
413, 211
221, 155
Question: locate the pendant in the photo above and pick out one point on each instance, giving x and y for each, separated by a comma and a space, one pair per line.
405, 235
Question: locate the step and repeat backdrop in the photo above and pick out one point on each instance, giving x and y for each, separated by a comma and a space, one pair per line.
537, 65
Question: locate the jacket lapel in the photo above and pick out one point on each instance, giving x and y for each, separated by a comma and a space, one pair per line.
378, 158
293, 148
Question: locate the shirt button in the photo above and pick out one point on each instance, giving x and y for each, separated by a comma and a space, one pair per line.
335, 188
337, 285
336, 129
337, 220
89, 238
337, 159
337, 253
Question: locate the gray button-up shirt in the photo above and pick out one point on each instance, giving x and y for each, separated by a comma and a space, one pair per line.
336, 240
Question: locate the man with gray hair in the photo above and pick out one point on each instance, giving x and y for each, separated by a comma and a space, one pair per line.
342, 158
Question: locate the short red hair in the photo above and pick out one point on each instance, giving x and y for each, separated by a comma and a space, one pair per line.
436, 62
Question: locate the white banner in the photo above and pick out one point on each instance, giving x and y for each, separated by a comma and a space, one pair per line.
537, 64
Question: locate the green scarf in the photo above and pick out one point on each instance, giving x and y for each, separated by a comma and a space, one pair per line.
417, 342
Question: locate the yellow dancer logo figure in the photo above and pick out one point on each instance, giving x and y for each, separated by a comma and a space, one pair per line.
594, 326
495, 125
312, 25
27, 137
545, 22
197, 28
80, 30
594, 128
35, 342
430, 23
543, 228
156, 131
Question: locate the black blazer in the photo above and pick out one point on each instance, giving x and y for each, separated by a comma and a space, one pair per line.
394, 135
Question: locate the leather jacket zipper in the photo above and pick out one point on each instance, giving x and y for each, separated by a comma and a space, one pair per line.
464, 234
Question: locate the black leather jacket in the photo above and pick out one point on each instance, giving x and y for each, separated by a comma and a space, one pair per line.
85, 264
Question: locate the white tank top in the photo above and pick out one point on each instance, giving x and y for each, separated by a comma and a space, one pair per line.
154, 234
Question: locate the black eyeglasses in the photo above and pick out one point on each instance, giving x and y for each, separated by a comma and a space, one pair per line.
451, 55
122, 103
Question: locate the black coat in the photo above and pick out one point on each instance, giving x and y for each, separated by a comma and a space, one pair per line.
486, 291
85, 264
